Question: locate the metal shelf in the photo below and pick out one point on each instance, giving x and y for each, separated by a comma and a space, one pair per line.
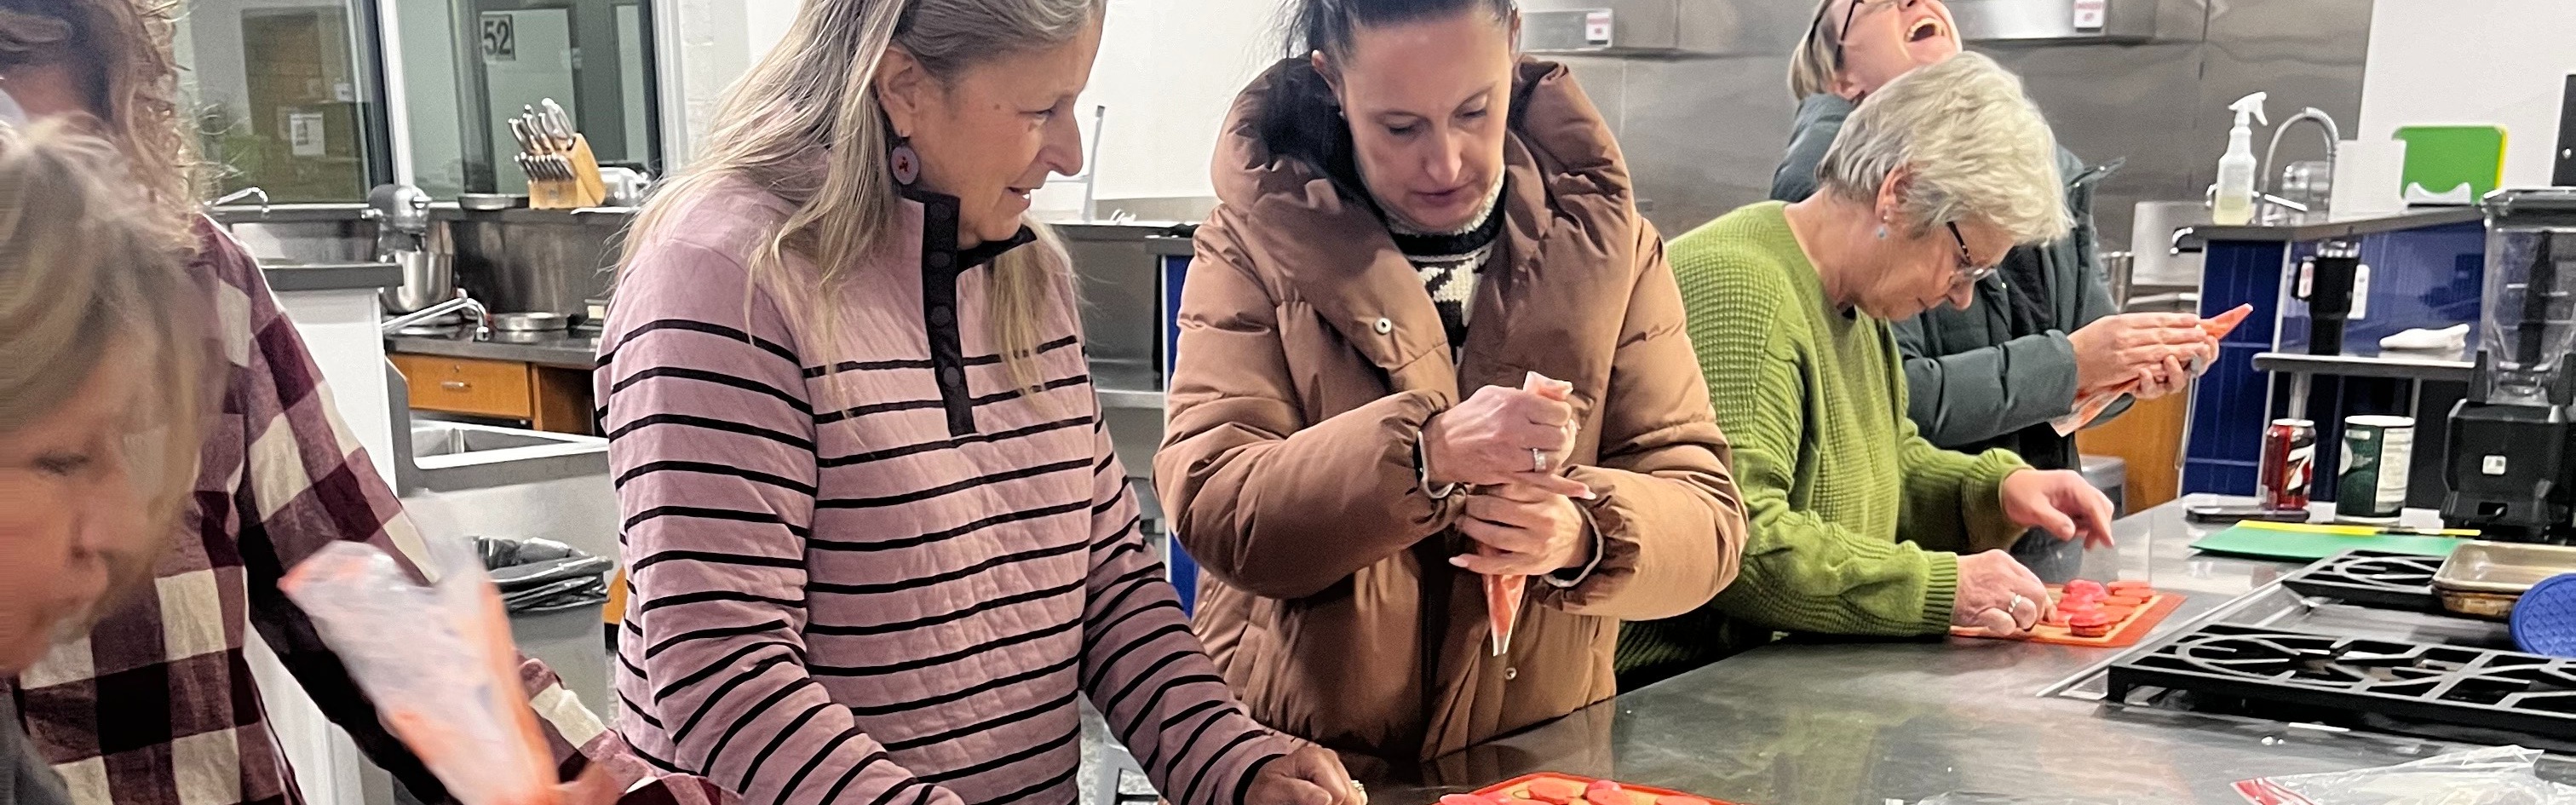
1129, 399
2404, 367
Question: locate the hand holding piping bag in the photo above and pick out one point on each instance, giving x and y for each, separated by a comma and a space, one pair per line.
2090, 405
1504, 594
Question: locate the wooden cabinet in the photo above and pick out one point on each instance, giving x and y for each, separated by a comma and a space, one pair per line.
2149, 436
547, 398
466, 386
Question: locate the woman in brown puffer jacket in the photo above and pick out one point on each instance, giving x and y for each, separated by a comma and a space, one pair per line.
1413, 221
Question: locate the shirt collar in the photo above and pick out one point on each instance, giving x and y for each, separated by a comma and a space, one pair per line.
939, 250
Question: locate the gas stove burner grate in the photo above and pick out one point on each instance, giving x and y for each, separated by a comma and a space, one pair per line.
2371, 578
2437, 684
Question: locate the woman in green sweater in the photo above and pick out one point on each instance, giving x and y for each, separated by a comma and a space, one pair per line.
1859, 526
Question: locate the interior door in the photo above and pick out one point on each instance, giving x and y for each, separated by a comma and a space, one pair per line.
528, 56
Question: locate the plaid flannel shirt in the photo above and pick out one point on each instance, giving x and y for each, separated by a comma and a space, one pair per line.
156, 706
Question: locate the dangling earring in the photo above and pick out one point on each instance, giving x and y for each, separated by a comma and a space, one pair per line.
904, 162
1882, 231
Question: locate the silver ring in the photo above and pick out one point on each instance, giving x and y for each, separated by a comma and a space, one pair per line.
1538, 460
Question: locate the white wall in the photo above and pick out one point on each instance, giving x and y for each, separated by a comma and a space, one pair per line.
717, 40
1168, 70
2500, 62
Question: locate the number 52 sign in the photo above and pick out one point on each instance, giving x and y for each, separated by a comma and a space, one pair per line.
500, 37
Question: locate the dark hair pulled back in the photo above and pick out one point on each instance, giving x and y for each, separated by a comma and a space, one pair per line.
1329, 25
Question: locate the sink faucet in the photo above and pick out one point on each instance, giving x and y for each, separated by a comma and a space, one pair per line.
2325, 123
237, 196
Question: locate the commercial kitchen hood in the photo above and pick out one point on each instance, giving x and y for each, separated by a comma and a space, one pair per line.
1669, 29
1709, 28
2055, 20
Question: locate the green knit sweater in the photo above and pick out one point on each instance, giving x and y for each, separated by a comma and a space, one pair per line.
1833, 473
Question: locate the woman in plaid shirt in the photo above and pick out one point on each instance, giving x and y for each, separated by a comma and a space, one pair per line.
156, 704
102, 384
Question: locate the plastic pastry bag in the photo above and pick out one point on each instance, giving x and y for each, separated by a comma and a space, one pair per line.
2090, 406
439, 664
2495, 776
1503, 594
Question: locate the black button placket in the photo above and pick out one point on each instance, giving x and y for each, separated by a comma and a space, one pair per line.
939, 269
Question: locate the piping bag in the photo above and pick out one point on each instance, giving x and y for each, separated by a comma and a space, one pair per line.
1503, 594
439, 663
2090, 406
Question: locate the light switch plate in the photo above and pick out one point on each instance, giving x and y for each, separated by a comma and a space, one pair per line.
2091, 15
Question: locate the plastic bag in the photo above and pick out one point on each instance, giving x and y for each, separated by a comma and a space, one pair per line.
2090, 406
1505, 594
2496, 776
438, 663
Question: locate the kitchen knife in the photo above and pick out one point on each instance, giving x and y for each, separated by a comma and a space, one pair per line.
558, 123
527, 140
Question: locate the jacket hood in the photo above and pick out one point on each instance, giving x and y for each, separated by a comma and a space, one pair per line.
1282, 140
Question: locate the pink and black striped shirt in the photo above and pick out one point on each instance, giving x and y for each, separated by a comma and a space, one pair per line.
876, 573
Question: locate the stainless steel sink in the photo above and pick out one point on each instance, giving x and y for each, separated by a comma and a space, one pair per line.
457, 456
441, 456
448, 439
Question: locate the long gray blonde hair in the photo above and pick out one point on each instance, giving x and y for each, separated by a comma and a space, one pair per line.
816, 92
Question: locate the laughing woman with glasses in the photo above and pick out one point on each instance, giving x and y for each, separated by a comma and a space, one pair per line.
1859, 526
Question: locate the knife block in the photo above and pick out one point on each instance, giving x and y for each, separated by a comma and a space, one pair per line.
585, 189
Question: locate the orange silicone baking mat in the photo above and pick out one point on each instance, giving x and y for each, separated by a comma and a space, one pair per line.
2131, 629
1550, 788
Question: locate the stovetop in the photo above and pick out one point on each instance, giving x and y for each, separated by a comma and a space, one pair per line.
2372, 578
2438, 684
2357, 642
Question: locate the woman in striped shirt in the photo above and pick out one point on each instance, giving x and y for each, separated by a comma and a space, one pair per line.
877, 537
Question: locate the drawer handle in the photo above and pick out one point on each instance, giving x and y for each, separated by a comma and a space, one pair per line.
456, 385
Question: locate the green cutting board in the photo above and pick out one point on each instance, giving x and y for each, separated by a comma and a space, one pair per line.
2298, 547
2443, 159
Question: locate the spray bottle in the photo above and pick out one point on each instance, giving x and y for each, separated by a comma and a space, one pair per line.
2233, 203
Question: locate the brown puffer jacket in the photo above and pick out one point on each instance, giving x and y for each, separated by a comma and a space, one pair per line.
1310, 356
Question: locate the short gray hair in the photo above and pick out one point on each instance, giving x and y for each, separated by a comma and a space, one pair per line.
1973, 145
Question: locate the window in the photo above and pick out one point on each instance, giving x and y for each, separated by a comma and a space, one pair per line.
286, 96
471, 66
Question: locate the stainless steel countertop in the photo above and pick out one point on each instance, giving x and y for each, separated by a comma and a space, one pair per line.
1863, 722
2414, 218
559, 349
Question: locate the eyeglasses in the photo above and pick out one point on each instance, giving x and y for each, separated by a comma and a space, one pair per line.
1816, 26
1970, 273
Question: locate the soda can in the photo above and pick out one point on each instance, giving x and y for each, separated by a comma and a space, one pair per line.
2289, 464
2377, 452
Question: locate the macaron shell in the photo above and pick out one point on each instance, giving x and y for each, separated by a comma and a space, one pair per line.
1555, 792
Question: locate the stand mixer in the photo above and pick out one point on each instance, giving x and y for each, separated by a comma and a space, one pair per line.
2510, 463
406, 237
